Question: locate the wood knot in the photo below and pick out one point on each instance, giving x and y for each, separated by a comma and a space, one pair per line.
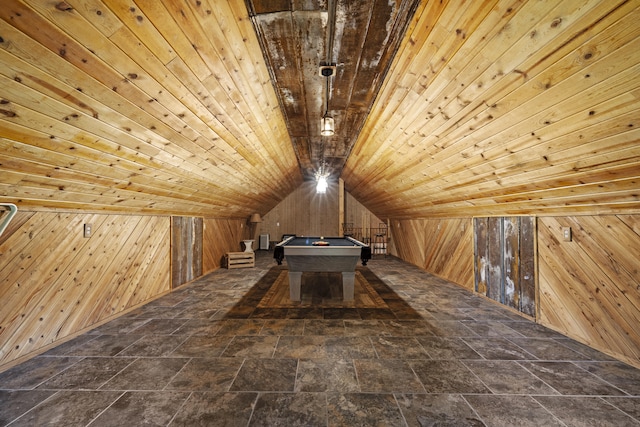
64, 6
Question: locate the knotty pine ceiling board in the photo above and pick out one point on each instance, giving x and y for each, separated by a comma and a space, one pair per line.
501, 108
162, 107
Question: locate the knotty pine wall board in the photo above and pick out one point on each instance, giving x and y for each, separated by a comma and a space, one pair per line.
443, 247
589, 286
55, 283
219, 237
304, 213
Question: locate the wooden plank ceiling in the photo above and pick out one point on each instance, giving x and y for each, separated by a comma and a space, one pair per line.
212, 108
139, 106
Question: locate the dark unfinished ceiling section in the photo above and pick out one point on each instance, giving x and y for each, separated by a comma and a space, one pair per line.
297, 37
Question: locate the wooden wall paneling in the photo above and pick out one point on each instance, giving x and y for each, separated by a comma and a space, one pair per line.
197, 246
100, 258
611, 249
481, 244
527, 266
361, 217
433, 242
511, 230
455, 262
186, 249
304, 213
495, 259
158, 264
16, 226
111, 278
633, 222
442, 247
142, 263
26, 290
567, 297
588, 287
323, 209
28, 274
504, 263
409, 240
480, 253
55, 283
219, 237
562, 304
18, 220
614, 242
282, 218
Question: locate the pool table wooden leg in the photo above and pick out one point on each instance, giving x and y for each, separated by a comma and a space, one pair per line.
348, 279
295, 277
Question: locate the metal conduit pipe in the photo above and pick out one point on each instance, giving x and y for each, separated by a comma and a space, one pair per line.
6, 218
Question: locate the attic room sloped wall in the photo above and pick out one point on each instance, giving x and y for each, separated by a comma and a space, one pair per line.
55, 283
589, 288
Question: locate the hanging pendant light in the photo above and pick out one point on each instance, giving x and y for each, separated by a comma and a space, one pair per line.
327, 128
327, 125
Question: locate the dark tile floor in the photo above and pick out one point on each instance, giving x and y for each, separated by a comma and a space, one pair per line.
453, 359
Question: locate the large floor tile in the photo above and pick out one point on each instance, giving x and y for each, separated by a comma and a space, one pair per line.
68, 408
363, 409
213, 374
570, 379
290, 409
137, 408
510, 411
447, 376
442, 410
321, 375
266, 375
17, 402
216, 409
574, 410
387, 376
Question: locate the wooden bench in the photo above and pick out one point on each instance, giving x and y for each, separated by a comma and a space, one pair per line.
240, 259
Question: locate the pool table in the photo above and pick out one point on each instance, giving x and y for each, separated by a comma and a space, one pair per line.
321, 254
